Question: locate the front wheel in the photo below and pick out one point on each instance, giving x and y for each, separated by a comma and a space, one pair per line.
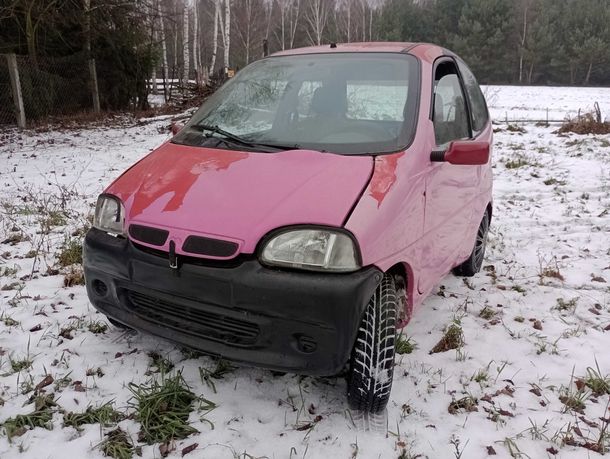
473, 263
372, 361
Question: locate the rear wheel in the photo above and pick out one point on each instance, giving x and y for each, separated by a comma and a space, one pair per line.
474, 262
372, 361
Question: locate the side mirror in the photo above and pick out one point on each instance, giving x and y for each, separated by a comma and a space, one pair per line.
175, 128
463, 152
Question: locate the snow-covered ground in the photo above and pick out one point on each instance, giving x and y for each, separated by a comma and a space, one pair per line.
541, 103
536, 320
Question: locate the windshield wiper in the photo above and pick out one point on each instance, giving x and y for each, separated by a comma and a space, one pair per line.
237, 139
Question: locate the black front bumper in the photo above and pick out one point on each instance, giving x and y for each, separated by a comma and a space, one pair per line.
284, 320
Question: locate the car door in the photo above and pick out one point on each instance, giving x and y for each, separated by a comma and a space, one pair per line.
450, 189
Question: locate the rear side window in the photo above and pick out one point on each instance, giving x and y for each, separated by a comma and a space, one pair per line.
377, 99
478, 106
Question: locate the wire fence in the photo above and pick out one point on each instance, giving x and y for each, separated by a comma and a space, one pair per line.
48, 87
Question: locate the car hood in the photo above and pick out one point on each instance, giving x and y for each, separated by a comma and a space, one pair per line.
238, 196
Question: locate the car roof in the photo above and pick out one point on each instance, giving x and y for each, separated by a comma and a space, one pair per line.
425, 51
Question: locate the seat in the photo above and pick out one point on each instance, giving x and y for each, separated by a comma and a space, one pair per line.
328, 101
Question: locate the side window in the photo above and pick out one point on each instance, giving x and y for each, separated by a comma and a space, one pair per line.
478, 106
377, 99
450, 114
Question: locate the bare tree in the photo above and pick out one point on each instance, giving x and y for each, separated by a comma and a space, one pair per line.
185, 42
215, 35
523, 35
34, 13
290, 16
249, 22
316, 18
161, 27
226, 33
343, 19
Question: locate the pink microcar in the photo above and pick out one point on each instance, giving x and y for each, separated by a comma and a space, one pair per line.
303, 212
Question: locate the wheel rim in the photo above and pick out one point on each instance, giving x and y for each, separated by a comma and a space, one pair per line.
479, 248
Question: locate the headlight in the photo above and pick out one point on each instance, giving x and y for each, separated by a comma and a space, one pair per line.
109, 214
312, 249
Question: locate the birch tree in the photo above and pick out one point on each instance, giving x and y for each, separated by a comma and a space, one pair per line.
290, 16
250, 22
226, 33
185, 42
316, 18
215, 36
161, 27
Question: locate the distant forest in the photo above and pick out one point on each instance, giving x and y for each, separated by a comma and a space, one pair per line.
562, 42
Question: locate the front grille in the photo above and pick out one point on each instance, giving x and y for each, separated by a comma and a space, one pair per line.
191, 320
152, 236
196, 261
209, 247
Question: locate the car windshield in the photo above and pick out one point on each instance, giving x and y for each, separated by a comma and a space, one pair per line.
348, 103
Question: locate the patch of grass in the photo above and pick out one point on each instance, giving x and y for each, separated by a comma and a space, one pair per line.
163, 408
468, 404
117, 445
404, 345
71, 253
159, 363
222, 368
74, 276
574, 400
587, 123
11, 286
481, 376
543, 345
54, 218
487, 313
594, 380
554, 181
9, 272
97, 327
42, 416
519, 161
8, 321
189, 353
105, 415
569, 305
517, 288
66, 332
62, 383
552, 272
20, 364
452, 339
15, 238
515, 128
95, 372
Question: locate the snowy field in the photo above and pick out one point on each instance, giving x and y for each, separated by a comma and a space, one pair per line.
531, 380
544, 102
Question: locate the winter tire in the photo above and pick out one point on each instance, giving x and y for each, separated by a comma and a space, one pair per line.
372, 361
473, 263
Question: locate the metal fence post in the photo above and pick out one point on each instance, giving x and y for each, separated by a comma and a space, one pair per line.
94, 90
16, 89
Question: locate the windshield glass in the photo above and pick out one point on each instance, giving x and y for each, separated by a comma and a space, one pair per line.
350, 103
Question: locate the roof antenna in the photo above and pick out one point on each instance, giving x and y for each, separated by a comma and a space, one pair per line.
333, 45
